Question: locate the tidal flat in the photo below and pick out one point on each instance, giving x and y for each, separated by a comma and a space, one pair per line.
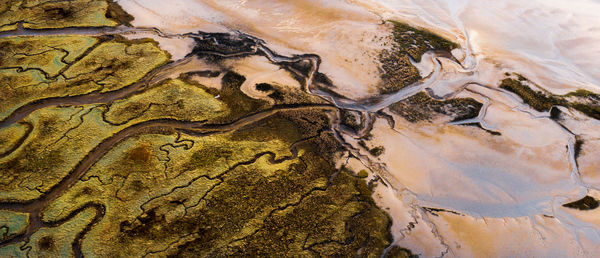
201, 128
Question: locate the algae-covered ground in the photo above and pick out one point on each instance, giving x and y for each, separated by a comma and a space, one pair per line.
269, 188
583, 101
421, 107
407, 43
99, 158
47, 14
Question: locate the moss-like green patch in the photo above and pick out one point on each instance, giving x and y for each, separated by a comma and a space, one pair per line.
62, 136
377, 151
583, 101
12, 223
538, 100
265, 131
49, 53
421, 107
591, 110
238, 103
56, 241
398, 71
351, 119
21, 171
399, 252
46, 14
416, 42
118, 63
116, 13
170, 99
224, 195
283, 95
362, 173
12, 137
584, 94
35, 68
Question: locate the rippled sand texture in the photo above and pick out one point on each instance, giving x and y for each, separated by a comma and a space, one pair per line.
494, 184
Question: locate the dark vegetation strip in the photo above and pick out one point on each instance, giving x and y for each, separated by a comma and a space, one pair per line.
583, 101
421, 107
584, 204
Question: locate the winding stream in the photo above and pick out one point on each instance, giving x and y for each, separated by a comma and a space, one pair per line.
467, 79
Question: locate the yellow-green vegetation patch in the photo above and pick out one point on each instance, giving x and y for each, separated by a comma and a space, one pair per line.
583, 101
83, 65
421, 107
13, 98
238, 103
14, 78
539, 100
118, 63
122, 180
44, 158
12, 137
132, 176
30, 68
416, 42
316, 205
215, 155
12, 223
285, 95
49, 54
335, 218
270, 129
149, 170
398, 72
362, 173
63, 136
351, 119
407, 41
60, 138
399, 252
56, 240
584, 94
170, 99
240, 193
51, 14
375, 151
